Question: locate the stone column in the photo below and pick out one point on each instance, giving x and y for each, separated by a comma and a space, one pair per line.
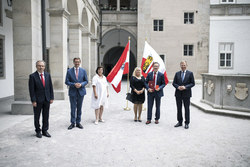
86, 53
75, 41
58, 51
118, 5
27, 44
93, 55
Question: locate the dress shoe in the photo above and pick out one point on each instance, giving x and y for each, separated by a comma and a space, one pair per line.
135, 120
186, 126
139, 120
45, 133
178, 124
71, 126
156, 121
79, 126
148, 122
39, 135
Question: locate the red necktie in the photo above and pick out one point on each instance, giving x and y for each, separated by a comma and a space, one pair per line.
42, 80
76, 73
154, 77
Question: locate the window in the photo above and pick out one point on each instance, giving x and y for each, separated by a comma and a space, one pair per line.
225, 55
227, 1
188, 18
108, 4
128, 5
188, 50
1, 57
158, 25
163, 57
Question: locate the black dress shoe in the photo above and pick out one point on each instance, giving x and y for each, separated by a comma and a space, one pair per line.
79, 126
186, 126
39, 135
46, 134
178, 124
71, 126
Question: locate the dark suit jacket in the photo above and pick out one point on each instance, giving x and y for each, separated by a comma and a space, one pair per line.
188, 82
160, 81
38, 93
71, 80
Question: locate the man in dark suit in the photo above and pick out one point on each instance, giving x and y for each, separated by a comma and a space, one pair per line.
41, 95
155, 83
183, 82
76, 79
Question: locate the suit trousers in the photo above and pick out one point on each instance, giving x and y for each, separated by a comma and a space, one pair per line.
186, 102
76, 108
44, 108
151, 98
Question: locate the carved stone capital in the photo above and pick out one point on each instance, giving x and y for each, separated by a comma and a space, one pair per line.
55, 12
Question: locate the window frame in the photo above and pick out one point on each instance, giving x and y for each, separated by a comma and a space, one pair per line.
225, 59
227, 2
188, 12
188, 44
158, 25
2, 37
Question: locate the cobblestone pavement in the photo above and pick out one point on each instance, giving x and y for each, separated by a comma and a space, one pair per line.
211, 140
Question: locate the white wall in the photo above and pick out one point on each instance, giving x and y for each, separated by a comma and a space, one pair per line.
7, 83
234, 29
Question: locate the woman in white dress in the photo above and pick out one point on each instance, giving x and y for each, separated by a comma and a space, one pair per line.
100, 94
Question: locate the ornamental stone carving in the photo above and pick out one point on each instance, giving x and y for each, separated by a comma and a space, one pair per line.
241, 91
210, 87
229, 88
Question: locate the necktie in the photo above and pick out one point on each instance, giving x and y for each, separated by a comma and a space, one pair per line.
154, 77
42, 80
182, 76
76, 73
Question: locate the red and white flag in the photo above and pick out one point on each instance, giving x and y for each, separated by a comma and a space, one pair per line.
149, 57
121, 67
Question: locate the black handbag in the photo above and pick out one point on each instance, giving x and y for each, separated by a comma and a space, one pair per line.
129, 97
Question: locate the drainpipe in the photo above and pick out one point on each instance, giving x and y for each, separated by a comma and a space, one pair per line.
44, 51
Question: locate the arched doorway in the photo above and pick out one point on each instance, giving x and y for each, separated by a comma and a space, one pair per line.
113, 44
112, 57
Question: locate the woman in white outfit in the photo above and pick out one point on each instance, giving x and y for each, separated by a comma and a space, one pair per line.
100, 94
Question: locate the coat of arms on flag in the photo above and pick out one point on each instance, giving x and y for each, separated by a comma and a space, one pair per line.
149, 57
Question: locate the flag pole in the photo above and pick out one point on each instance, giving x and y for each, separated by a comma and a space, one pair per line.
127, 108
144, 108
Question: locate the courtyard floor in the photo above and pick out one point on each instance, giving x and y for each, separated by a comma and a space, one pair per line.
211, 140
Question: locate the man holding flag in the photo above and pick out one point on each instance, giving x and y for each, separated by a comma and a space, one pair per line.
155, 81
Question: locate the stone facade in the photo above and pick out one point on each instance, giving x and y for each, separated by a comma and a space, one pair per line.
168, 42
72, 33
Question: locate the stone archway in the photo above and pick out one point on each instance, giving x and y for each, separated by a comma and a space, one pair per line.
112, 56
113, 44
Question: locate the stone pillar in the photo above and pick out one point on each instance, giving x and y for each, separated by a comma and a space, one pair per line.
75, 42
118, 5
93, 60
58, 51
86, 54
27, 44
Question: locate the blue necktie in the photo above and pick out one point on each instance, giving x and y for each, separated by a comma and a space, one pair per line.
182, 76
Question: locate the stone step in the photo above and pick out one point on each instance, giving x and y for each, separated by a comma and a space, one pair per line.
209, 109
